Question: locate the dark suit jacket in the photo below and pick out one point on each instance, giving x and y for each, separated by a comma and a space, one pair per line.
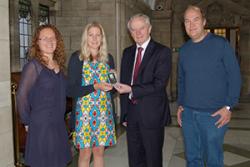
149, 89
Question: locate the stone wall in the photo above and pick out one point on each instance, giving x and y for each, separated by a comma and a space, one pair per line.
71, 16
6, 136
245, 57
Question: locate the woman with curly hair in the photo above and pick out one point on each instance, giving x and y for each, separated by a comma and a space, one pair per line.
41, 101
88, 83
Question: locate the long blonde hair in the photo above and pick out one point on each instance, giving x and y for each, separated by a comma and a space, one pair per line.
85, 52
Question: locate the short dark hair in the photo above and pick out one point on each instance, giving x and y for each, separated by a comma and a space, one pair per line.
197, 8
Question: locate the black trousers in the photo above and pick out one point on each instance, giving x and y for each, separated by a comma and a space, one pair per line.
144, 144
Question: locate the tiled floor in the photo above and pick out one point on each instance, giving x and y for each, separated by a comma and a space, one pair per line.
236, 147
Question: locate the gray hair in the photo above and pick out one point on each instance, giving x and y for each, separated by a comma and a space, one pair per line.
139, 15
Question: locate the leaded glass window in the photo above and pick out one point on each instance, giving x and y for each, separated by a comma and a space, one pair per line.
25, 32
43, 14
218, 31
231, 34
150, 3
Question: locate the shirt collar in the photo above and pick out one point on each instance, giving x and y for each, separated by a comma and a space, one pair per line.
144, 45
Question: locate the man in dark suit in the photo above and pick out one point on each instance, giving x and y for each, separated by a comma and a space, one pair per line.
145, 69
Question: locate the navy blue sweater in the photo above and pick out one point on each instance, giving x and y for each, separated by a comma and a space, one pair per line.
208, 74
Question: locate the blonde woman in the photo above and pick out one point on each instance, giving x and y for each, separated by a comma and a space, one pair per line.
88, 83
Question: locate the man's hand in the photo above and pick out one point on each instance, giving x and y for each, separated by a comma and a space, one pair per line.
104, 86
122, 88
225, 117
26, 128
125, 124
179, 112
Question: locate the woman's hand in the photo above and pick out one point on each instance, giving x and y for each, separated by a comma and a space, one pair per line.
113, 71
104, 86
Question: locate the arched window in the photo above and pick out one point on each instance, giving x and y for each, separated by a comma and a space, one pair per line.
25, 30
43, 14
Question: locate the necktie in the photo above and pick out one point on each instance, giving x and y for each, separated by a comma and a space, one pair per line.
137, 63
136, 69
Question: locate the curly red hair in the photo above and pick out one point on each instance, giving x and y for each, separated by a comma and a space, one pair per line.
59, 53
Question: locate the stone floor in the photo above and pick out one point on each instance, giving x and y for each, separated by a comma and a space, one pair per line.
236, 147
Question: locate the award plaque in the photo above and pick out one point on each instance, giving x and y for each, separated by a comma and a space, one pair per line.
112, 78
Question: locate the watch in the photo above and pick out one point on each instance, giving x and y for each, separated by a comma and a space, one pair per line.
228, 108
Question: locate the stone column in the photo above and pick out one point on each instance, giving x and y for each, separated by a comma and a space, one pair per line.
245, 57
162, 32
6, 136
14, 36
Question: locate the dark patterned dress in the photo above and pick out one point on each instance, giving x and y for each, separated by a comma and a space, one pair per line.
94, 120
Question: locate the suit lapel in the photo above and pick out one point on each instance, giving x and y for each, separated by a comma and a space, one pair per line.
147, 55
130, 64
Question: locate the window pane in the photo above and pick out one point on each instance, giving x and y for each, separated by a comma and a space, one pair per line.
28, 18
43, 14
26, 41
21, 28
21, 40
25, 29
22, 52
26, 52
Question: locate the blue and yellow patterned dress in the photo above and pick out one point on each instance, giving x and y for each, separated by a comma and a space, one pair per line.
94, 120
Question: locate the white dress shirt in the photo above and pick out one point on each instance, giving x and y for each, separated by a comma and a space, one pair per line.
144, 46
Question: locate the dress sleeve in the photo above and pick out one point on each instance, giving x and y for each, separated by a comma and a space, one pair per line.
74, 87
28, 78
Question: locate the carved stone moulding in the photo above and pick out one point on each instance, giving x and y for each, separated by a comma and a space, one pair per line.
245, 21
218, 16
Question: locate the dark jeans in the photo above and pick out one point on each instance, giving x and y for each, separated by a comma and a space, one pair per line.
202, 139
